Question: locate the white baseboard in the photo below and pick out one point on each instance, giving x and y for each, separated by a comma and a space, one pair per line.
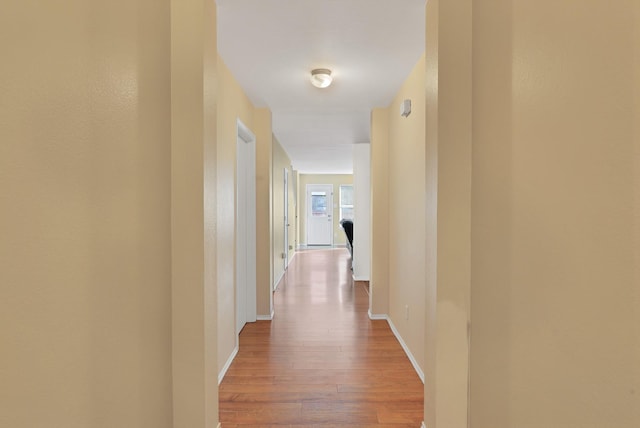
423, 425
321, 247
292, 257
377, 316
414, 362
223, 372
265, 317
275, 285
359, 278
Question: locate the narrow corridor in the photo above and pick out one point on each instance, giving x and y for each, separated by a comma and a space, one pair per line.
321, 361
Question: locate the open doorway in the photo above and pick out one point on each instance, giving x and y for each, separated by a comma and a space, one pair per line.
245, 227
285, 256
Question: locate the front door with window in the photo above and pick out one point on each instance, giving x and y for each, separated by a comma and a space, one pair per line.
319, 214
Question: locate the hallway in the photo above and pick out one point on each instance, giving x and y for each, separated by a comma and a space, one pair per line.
321, 361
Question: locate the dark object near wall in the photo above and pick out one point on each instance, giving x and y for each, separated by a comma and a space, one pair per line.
347, 226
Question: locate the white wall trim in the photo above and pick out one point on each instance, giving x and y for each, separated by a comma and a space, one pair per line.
245, 164
377, 316
266, 317
406, 350
293, 256
416, 367
423, 425
275, 285
223, 372
307, 198
361, 278
361, 260
244, 132
304, 246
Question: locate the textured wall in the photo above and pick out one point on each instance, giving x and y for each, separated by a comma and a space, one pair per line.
85, 254
194, 84
407, 212
555, 332
233, 104
551, 219
379, 283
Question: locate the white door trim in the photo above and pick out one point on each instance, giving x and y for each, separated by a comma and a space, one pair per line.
328, 190
245, 274
286, 218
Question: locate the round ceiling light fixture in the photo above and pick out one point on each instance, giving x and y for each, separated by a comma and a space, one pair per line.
321, 77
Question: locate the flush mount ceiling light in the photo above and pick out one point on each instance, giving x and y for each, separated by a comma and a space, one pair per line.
321, 77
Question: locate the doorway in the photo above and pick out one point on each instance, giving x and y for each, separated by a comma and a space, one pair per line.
286, 220
319, 214
245, 227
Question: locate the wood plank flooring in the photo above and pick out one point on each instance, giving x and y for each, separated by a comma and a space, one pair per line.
321, 362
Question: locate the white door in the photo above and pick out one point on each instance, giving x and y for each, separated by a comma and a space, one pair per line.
319, 214
245, 228
286, 218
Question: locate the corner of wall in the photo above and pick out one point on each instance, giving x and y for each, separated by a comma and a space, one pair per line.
264, 215
379, 221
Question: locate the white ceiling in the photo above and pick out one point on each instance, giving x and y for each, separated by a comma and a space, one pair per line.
271, 46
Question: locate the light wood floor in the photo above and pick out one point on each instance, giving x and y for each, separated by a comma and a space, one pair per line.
321, 361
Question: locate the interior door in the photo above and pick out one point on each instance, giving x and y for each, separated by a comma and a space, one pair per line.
319, 214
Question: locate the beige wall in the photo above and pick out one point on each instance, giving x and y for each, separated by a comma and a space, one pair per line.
552, 214
233, 104
636, 175
431, 395
398, 211
85, 179
555, 333
211, 77
193, 213
281, 162
108, 282
264, 219
407, 212
379, 283
448, 264
336, 180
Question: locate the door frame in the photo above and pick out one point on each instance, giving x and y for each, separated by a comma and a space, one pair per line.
245, 227
286, 218
308, 212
